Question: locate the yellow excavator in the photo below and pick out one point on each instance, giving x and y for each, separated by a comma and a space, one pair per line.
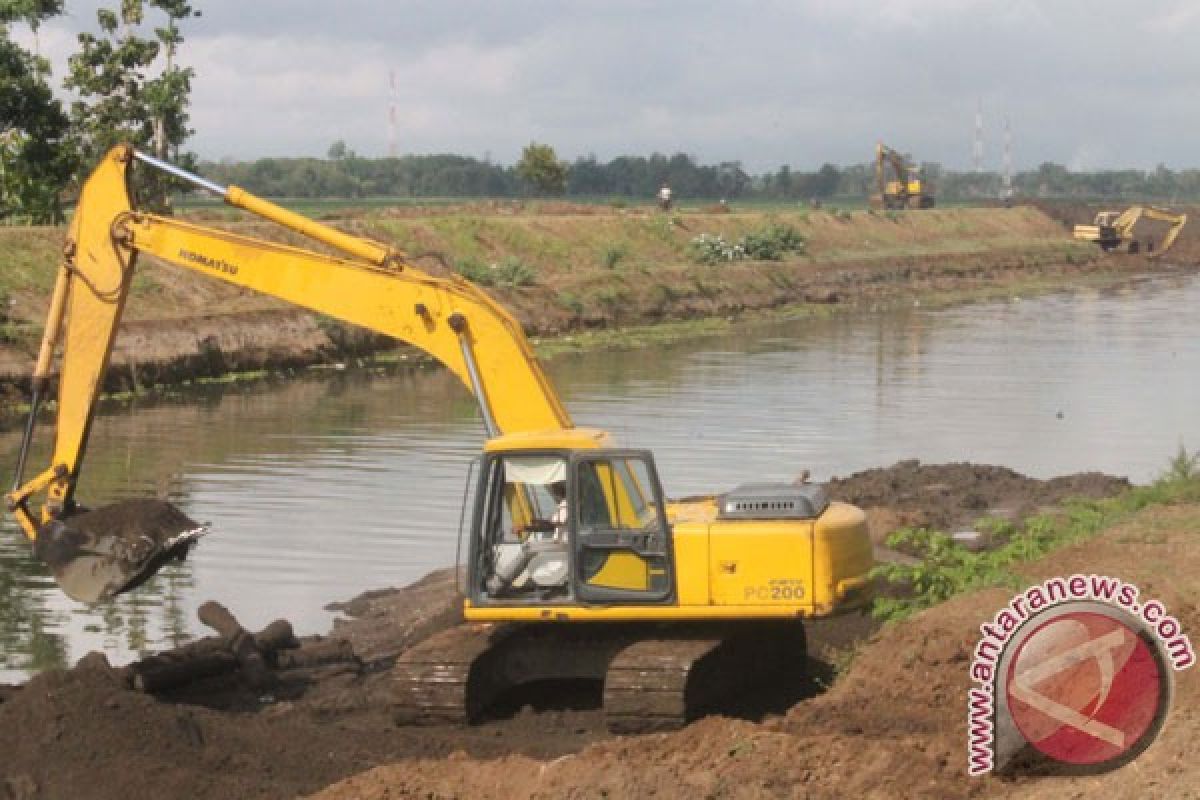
906, 188
1115, 229
576, 566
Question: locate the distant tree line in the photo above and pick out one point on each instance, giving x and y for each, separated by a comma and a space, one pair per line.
343, 174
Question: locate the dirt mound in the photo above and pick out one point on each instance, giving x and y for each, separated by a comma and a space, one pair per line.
84, 733
382, 623
892, 726
950, 497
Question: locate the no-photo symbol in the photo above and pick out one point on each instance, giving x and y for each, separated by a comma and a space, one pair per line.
1084, 688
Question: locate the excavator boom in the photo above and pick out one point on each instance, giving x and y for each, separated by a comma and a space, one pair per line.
370, 286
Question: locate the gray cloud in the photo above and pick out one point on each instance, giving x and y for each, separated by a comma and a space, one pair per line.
1090, 84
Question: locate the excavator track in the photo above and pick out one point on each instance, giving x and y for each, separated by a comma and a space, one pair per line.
656, 677
664, 683
432, 679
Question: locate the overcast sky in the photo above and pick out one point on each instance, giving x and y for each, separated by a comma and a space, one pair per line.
1088, 83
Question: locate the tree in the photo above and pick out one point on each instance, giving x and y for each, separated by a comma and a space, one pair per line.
31, 12
338, 151
118, 103
824, 183
540, 168
36, 156
731, 179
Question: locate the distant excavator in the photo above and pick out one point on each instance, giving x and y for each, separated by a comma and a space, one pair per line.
906, 188
1114, 230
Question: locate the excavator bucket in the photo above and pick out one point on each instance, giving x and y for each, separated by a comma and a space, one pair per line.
96, 555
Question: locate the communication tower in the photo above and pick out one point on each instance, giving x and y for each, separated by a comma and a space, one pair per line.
392, 116
977, 143
1007, 190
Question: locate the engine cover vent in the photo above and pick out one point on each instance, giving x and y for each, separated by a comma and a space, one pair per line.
774, 501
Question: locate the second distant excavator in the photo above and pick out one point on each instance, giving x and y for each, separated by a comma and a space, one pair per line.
570, 544
1114, 230
906, 188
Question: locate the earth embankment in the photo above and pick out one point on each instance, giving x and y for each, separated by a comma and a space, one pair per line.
894, 725
561, 269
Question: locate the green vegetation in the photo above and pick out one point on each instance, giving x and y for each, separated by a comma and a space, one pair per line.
947, 568
570, 301
769, 243
634, 180
126, 85
35, 157
714, 249
614, 255
509, 272
773, 242
130, 89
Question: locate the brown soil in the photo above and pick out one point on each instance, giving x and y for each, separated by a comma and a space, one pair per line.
953, 497
83, 734
892, 726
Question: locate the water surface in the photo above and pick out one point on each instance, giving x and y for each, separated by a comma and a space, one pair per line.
322, 487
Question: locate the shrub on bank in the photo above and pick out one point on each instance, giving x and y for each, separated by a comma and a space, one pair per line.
709, 249
770, 243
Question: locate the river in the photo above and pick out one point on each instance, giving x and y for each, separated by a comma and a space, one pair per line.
339, 481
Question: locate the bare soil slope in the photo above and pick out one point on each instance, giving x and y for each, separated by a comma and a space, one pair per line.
893, 726
951, 497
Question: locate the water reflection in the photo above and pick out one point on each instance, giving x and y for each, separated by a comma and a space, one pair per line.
321, 487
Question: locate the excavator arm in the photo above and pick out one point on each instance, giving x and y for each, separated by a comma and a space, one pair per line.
1176, 221
368, 285
884, 157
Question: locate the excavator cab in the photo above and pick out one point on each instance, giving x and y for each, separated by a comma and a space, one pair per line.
605, 539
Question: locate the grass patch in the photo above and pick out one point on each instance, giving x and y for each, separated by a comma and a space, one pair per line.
614, 255
570, 301
947, 568
509, 271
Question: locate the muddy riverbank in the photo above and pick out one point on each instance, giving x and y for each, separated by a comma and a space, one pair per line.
85, 733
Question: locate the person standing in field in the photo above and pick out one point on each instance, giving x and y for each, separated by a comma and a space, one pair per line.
664, 198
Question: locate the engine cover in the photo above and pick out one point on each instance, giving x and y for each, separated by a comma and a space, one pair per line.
773, 501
